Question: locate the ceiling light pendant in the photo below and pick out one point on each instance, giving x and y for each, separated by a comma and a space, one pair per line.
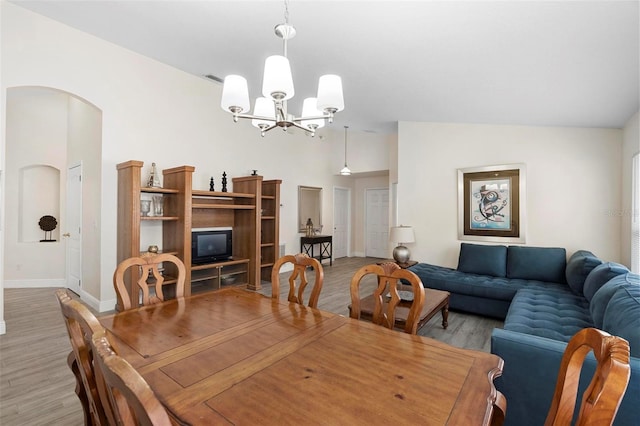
270, 111
345, 170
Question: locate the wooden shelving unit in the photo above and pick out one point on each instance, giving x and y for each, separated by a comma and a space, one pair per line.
255, 235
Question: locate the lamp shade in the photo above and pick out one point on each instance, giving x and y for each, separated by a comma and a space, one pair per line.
345, 171
310, 109
330, 93
263, 107
235, 94
402, 234
277, 82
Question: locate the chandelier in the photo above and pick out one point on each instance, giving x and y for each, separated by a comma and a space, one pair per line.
270, 110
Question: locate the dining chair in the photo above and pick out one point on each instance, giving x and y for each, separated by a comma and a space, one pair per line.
602, 397
298, 278
81, 325
148, 263
389, 276
132, 400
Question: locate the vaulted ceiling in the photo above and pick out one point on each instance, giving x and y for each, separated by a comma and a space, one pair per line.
561, 63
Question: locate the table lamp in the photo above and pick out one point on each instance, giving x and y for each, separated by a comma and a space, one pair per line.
401, 235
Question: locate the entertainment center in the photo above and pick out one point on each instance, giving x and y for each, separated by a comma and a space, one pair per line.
251, 212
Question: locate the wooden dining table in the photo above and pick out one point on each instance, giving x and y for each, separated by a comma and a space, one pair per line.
235, 356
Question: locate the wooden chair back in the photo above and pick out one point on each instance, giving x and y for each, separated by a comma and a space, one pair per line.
602, 398
298, 278
389, 276
149, 265
132, 400
81, 325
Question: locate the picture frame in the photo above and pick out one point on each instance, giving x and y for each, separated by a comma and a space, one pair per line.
491, 203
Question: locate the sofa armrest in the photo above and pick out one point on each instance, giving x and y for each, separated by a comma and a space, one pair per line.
531, 365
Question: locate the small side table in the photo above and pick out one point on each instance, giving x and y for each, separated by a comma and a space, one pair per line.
409, 264
307, 245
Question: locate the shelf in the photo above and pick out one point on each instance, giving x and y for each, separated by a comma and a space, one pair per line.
266, 265
218, 264
224, 206
268, 197
218, 194
267, 245
159, 190
161, 218
268, 217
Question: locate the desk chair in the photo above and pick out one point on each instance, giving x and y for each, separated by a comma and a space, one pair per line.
131, 399
148, 263
81, 325
602, 398
388, 276
300, 264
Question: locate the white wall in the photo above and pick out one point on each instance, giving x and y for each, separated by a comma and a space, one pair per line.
37, 125
630, 147
573, 184
155, 113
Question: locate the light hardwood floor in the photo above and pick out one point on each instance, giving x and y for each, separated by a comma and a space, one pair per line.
37, 387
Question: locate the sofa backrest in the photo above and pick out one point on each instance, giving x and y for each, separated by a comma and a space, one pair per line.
537, 263
580, 264
483, 260
622, 314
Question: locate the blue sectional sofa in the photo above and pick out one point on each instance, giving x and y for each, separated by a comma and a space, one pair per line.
544, 300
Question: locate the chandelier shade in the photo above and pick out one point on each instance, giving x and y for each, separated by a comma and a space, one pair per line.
235, 94
263, 107
330, 93
270, 111
277, 82
310, 109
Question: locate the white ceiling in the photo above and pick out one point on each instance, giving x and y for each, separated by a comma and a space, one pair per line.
561, 63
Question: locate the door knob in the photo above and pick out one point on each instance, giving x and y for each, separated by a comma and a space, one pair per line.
66, 234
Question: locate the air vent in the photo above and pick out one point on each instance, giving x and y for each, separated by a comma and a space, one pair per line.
214, 78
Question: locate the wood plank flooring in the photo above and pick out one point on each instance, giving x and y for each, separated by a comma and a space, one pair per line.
37, 387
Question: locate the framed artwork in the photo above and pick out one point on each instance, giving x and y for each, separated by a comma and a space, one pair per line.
491, 203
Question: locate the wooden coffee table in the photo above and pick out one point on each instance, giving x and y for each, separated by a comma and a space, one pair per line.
434, 301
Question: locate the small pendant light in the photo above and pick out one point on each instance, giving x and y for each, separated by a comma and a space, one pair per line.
345, 170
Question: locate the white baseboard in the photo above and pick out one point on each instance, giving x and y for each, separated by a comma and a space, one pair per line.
59, 282
3, 327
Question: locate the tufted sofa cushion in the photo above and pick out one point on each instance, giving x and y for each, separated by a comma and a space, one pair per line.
578, 268
483, 260
553, 312
600, 275
537, 263
622, 316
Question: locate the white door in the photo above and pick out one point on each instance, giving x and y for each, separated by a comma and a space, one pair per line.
377, 223
341, 197
73, 229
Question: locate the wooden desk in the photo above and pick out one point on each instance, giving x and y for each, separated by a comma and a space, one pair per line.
234, 356
307, 245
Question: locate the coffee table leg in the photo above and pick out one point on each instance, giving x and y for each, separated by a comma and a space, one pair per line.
445, 316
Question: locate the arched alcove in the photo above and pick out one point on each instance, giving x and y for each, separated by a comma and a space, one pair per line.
38, 195
48, 131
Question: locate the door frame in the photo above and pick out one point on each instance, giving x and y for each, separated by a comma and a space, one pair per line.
77, 289
348, 209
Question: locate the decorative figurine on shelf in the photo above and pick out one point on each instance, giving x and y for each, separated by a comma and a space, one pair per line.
153, 249
211, 184
224, 181
48, 224
255, 172
309, 228
154, 179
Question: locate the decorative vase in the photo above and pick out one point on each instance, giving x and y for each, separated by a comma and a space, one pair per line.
145, 207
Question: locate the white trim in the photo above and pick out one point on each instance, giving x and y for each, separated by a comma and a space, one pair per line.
37, 283
3, 327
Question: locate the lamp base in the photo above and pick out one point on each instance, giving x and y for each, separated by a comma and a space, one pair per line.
401, 254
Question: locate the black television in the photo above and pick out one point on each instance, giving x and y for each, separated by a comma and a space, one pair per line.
208, 246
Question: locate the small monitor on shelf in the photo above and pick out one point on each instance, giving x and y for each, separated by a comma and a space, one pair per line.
211, 245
